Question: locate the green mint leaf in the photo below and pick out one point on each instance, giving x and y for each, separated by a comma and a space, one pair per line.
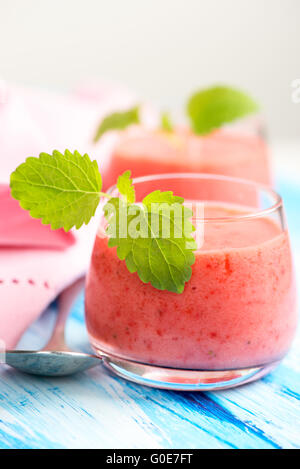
125, 187
209, 109
166, 123
158, 197
117, 121
63, 189
163, 258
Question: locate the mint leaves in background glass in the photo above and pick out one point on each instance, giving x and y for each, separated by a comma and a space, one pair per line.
64, 190
117, 121
210, 108
207, 109
166, 123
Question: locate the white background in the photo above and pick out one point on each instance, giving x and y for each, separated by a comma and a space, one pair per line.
163, 49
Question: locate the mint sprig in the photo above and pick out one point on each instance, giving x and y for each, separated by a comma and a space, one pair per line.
210, 108
117, 121
64, 190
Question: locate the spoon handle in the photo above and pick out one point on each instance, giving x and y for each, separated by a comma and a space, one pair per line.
65, 303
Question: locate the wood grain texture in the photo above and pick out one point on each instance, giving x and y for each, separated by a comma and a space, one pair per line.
98, 410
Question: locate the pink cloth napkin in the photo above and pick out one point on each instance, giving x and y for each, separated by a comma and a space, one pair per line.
36, 263
19, 230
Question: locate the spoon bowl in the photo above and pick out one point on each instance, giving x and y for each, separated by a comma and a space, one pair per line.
50, 363
55, 359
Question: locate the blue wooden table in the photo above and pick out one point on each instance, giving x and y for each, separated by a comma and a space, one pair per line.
98, 410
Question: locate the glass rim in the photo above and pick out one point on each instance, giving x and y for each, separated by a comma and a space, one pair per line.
258, 186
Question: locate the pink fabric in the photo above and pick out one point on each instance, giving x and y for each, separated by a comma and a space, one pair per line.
36, 263
20, 230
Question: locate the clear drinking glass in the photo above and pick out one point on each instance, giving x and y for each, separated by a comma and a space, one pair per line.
237, 315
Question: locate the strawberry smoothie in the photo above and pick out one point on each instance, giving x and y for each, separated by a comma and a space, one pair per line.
225, 152
238, 310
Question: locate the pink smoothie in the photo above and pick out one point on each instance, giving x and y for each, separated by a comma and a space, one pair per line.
238, 309
225, 152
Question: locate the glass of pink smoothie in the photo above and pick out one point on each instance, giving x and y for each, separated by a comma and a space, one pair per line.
237, 315
228, 152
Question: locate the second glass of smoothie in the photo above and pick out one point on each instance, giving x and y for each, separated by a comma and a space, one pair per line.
229, 152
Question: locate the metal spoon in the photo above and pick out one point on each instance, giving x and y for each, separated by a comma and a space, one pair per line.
55, 359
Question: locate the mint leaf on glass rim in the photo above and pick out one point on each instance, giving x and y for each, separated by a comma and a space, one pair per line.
210, 108
62, 189
117, 121
155, 240
125, 187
